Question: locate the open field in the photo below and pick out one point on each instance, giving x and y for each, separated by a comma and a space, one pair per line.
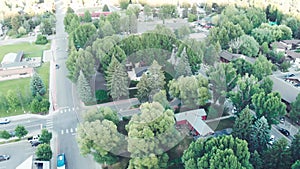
30, 50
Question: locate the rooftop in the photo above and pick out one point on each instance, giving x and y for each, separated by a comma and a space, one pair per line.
293, 54
194, 118
287, 91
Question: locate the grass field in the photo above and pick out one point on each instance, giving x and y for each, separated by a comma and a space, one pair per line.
222, 124
30, 50
23, 86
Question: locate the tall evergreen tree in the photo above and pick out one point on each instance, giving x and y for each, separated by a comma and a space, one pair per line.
151, 82
87, 17
295, 112
243, 125
295, 147
84, 89
117, 79
37, 85
183, 67
260, 135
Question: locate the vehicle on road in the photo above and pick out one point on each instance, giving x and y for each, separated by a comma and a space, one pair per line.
4, 121
35, 143
61, 161
57, 66
284, 132
282, 119
4, 157
289, 75
33, 138
272, 140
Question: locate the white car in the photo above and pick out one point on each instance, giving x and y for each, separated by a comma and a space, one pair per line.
272, 140
4, 121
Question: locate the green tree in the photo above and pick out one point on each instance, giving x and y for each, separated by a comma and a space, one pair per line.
161, 97
223, 79
4, 134
286, 32
12, 99
269, 106
278, 156
87, 17
262, 35
151, 82
256, 160
35, 106
84, 89
100, 139
293, 24
260, 135
262, 67
46, 136
183, 67
295, 112
44, 152
20, 131
37, 85
242, 66
70, 10
15, 22
267, 85
101, 113
68, 20
82, 34
86, 63
108, 29
41, 40
295, 147
249, 46
218, 152
124, 4
256, 15
150, 133
117, 79
105, 8
115, 20
210, 55
147, 12
243, 125
247, 86
192, 90
46, 26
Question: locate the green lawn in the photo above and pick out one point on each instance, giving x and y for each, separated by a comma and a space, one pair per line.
23, 86
223, 124
30, 50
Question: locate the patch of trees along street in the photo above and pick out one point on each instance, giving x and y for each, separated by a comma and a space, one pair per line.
95, 47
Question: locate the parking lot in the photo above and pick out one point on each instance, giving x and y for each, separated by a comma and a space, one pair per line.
18, 152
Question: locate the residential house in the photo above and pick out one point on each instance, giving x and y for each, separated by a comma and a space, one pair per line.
194, 119
279, 46
227, 57
294, 56
292, 44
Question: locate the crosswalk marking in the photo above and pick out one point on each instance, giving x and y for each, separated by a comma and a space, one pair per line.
62, 131
67, 131
65, 110
69, 109
71, 130
75, 129
73, 109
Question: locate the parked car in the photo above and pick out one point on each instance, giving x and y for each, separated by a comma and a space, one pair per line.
4, 121
289, 75
284, 131
4, 157
272, 140
282, 119
33, 138
57, 66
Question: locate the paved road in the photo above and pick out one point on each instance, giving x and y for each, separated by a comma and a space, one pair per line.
30, 39
65, 121
18, 151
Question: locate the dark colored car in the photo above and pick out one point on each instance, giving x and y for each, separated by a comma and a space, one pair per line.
289, 75
35, 143
4, 157
57, 66
284, 131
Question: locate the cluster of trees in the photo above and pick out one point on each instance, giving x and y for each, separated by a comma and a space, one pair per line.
43, 151
19, 132
256, 132
22, 24
147, 137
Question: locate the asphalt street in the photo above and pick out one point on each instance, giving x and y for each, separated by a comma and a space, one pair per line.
18, 152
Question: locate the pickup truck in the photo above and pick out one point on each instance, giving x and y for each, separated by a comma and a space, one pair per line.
33, 138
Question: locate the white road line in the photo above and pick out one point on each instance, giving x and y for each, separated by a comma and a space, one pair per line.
62, 131
73, 134
67, 131
75, 129
61, 111
71, 130
65, 110
69, 109
73, 109
49, 122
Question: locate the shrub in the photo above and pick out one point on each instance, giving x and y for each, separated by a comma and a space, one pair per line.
41, 40
102, 96
192, 17
4, 134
